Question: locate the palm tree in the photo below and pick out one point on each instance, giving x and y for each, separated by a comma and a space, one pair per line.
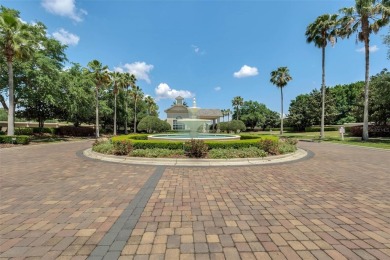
237, 102
150, 103
16, 43
126, 81
320, 32
137, 94
228, 113
223, 111
280, 78
116, 80
370, 16
100, 77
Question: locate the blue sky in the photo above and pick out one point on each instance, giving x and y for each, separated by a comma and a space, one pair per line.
211, 50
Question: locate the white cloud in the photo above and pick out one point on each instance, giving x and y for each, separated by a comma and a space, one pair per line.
246, 71
197, 50
65, 8
164, 91
372, 48
66, 37
140, 70
217, 88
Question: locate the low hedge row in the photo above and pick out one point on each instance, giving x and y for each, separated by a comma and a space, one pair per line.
373, 131
140, 141
80, 131
19, 139
318, 128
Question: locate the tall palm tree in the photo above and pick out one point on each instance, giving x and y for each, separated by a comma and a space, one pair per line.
237, 102
223, 111
320, 32
127, 80
137, 94
100, 77
228, 113
116, 80
150, 104
280, 78
365, 17
16, 43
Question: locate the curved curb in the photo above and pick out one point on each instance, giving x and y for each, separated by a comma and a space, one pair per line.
299, 154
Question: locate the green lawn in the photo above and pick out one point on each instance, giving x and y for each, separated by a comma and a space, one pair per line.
334, 137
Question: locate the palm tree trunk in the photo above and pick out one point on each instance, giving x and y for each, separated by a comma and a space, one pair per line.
11, 109
135, 115
126, 113
97, 114
367, 77
323, 95
281, 115
115, 114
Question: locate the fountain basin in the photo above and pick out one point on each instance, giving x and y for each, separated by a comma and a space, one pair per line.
200, 136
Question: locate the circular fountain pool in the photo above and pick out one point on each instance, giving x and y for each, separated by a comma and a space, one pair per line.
199, 136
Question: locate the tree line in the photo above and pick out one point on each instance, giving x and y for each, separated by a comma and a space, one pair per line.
39, 86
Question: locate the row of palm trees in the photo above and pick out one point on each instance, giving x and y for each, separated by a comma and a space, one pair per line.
366, 17
119, 81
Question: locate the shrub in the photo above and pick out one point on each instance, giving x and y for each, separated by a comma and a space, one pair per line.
285, 147
289, 140
151, 124
153, 144
249, 152
269, 146
2, 132
122, 147
196, 148
19, 139
158, 152
23, 131
373, 131
236, 126
44, 130
105, 147
76, 131
318, 129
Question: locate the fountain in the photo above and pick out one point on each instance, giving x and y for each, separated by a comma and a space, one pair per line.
193, 123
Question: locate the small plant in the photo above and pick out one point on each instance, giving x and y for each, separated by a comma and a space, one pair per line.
122, 147
196, 148
103, 146
157, 153
269, 146
289, 140
250, 152
285, 147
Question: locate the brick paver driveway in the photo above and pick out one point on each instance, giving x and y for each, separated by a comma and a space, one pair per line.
56, 204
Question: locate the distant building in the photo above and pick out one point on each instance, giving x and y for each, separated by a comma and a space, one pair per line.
180, 111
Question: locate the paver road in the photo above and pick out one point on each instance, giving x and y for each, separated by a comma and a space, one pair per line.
56, 204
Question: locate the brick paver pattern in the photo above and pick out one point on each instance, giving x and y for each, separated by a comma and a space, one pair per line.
57, 205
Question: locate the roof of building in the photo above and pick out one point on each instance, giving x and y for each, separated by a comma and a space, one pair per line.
209, 112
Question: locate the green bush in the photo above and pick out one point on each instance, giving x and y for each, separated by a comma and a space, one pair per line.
152, 144
105, 147
151, 124
80, 131
285, 147
249, 152
44, 130
155, 153
122, 147
196, 148
2, 132
318, 129
269, 146
19, 139
23, 131
131, 137
289, 140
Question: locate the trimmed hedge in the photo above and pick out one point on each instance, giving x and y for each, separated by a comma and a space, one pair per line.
44, 130
318, 128
80, 131
373, 131
23, 131
20, 139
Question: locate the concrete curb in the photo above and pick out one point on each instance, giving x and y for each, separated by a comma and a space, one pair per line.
299, 154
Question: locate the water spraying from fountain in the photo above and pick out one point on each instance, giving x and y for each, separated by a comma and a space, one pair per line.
193, 123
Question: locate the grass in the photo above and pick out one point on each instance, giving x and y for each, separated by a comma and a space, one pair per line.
334, 137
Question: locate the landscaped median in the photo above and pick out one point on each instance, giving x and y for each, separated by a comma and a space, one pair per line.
250, 146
